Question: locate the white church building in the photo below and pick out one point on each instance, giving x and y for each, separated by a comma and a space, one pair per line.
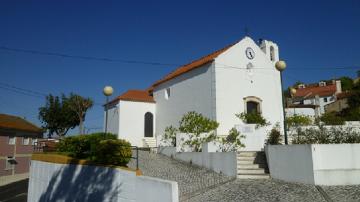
234, 79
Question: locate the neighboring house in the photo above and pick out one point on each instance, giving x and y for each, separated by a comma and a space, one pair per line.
238, 78
318, 94
340, 103
17, 137
301, 109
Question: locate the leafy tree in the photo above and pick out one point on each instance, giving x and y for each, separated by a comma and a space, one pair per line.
196, 125
331, 119
232, 141
346, 83
79, 105
56, 116
298, 120
170, 135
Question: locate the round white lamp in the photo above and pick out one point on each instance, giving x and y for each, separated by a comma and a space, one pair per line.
280, 65
292, 91
108, 90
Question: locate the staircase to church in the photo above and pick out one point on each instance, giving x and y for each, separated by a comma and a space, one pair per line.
252, 165
149, 142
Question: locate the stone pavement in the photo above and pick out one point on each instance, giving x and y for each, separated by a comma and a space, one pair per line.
199, 184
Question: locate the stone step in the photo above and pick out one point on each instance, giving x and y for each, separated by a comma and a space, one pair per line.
242, 162
246, 158
250, 166
253, 176
251, 171
247, 154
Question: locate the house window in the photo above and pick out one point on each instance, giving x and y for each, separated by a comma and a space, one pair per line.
34, 141
167, 93
149, 124
252, 104
10, 163
325, 99
26, 141
322, 83
12, 140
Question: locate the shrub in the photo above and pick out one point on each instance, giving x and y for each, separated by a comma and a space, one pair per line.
331, 119
326, 135
113, 152
232, 141
298, 120
253, 118
82, 146
170, 135
195, 125
274, 136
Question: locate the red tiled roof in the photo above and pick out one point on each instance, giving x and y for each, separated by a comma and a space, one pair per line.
193, 65
135, 95
17, 123
312, 91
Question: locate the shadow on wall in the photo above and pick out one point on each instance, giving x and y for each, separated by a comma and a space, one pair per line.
82, 183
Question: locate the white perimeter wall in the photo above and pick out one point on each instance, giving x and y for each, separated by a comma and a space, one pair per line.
300, 111
233, 85
132, 121
192, 91
220, 162
320, 164
67, 182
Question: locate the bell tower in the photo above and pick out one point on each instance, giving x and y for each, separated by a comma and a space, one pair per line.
270, 49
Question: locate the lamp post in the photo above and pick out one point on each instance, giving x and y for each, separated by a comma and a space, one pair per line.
281, 66
108, 91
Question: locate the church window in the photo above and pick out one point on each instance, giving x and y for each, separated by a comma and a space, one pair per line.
252, 104
272, 53
167, 93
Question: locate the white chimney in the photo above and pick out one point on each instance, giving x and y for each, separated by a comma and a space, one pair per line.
338, 86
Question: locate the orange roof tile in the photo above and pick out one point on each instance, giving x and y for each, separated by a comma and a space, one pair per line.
193, 65
312, 91
17, 123
135, 95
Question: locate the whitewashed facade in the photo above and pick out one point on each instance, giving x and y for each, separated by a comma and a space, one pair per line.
218, 89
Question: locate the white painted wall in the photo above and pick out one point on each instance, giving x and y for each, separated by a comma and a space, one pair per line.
220, 162
321, 103
132, 121
255, 138
320, 164
234, 84
192, 91
300, 111
68, 182
113, 119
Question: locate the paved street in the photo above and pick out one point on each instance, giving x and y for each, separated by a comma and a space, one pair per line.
14, 192
198, 184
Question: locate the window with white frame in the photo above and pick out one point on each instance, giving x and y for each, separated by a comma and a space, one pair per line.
26, 141
12, 140
167, 93
253, 105
10, 163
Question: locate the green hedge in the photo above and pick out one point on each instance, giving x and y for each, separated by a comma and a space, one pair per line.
91, 147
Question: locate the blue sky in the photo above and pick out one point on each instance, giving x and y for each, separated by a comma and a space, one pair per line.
317, 36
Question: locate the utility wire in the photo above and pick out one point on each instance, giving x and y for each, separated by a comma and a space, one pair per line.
104, 59
64, 55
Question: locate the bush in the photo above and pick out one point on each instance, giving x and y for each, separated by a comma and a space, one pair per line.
274, 137
253, 118
170, 135
113, 152
331, 119
298, 120
325, 135
196, 125
232, 141
82, 146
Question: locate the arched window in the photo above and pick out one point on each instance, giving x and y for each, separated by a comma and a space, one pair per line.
252, 104
272, 53
148, 124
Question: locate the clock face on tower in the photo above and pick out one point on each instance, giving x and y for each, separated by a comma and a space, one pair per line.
250, 53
